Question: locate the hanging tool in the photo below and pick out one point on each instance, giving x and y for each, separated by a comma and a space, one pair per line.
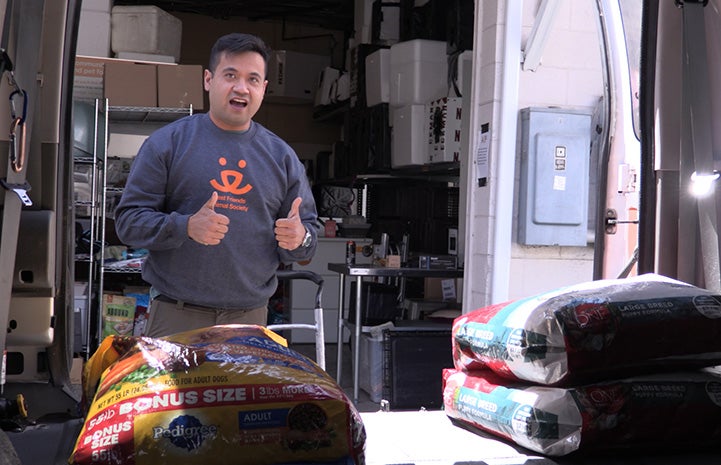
17, 125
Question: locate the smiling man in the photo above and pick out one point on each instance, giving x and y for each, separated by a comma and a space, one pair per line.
219, 202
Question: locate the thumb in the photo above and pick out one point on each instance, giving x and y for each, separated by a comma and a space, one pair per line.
211, 202
294, 209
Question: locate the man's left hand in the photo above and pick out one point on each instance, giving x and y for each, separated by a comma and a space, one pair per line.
289, 232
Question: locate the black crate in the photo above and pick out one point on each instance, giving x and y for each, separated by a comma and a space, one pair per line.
379, 303
368, 144
413, 363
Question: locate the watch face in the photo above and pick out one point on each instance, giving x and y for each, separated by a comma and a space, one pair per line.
307, 239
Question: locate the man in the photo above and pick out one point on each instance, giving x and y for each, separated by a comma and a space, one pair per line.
219, 201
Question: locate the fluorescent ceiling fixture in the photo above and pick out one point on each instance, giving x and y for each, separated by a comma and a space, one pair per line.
539, 34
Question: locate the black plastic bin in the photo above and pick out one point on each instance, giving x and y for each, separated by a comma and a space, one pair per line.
379, 303
413, 363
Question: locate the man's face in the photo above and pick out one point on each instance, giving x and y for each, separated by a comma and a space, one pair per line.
236, 89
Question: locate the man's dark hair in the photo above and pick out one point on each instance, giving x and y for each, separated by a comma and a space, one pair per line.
237, 42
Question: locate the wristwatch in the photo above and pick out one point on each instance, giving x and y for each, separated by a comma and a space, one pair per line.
307, 239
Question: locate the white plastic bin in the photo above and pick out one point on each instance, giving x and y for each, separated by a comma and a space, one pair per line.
94, 29
145, 29
409, 139
370, 373
377, 77
418, 71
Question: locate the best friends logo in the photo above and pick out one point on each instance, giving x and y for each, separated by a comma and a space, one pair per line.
231, 181
186, 432
230, 187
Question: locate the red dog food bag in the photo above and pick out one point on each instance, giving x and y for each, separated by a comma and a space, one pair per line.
594, 330
666, 411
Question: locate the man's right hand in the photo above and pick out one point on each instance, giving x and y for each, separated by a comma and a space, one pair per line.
206, 226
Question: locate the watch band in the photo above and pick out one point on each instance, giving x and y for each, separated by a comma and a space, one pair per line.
307, 239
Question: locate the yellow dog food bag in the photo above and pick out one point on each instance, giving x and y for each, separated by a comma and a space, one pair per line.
229, 394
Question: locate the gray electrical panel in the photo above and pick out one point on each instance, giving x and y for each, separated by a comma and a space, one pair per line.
553, 203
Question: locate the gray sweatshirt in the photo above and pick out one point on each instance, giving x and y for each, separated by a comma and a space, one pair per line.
256, 175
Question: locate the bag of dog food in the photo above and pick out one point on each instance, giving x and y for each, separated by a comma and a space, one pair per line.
670, 411
230, 394
594, 330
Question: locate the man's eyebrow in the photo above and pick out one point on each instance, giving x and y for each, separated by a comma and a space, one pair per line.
229, 69
234, 70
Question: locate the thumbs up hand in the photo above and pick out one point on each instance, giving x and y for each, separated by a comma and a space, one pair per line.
206, 226
289, 232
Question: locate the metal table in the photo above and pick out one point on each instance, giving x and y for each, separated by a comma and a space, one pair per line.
359, 272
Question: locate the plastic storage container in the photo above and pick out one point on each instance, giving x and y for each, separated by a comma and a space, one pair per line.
445, 118
419, 72
377, 74
413, 362
145, 29
294, 75
378, 303
409, 138
370, 373
94, 28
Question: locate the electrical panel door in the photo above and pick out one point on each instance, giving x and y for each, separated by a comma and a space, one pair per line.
553, 207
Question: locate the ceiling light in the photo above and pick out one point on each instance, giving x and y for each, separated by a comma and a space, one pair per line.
702, 183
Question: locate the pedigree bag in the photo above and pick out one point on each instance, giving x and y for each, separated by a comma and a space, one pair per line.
231, 394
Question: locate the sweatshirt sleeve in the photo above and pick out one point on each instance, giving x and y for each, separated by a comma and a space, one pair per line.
140, 219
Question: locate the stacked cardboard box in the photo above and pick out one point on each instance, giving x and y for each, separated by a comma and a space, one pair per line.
138, 83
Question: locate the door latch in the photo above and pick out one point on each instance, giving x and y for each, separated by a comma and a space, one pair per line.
611, 221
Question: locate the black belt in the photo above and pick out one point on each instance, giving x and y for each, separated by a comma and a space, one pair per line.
180, 303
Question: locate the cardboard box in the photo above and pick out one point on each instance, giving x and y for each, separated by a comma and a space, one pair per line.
76, 371
130, 84
442, 289
88, 78
123, 82
180, 86
444, 129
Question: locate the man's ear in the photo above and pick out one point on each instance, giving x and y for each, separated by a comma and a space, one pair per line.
207, 76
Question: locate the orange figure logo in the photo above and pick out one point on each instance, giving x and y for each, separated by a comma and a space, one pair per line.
231, 179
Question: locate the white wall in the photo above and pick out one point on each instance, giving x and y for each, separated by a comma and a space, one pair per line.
569, 75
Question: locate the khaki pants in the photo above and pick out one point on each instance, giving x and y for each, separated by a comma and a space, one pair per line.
170, 318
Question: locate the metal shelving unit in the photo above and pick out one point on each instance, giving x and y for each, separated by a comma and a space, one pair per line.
91, 211
107, 114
